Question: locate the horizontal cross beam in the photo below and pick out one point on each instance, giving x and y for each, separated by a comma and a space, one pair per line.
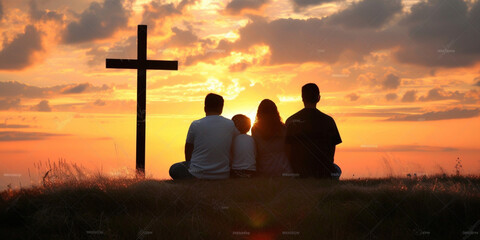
148, 64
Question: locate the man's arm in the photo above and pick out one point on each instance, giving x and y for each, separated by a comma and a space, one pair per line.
188, 151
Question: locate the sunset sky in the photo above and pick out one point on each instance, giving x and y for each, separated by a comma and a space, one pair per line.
400, 78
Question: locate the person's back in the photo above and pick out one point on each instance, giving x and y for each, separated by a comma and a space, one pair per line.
269, 134
311, 138
271, 157
212, 137
243, 148
208, 145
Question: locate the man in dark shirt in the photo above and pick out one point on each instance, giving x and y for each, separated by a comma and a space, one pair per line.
311, 138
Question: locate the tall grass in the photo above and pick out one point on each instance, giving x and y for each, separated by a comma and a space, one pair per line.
83, 206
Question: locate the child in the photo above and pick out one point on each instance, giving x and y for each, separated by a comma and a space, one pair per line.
244, 151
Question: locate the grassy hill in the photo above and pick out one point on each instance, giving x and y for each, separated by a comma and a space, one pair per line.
440, 207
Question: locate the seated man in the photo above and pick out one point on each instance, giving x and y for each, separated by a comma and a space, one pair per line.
207, 149
311, 138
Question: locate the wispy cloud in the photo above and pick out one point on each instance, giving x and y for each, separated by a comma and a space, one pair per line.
7, 136
455, 113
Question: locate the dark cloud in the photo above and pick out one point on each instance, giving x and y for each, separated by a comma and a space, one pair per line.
7, 136
19, 53
13, 89
299, 41
80, 88
442, 33
299, 5
392, 81
236, 6
410, 96
99, 102
477, 82
8, 103
391, 96
239, 67
455, 113
182, 38
155, 12
37, 14
16, 89
1, 10
123, 49
5, 125
438, 94
353, 97
367, 14
98, 21
435, 33
42, 106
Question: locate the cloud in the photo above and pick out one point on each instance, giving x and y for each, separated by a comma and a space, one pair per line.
455, 113
353, 97
5, 125
300, 41
410, 96
300, 5
235, 7
19, 53
124, 49
1, 10
99, 102
367, 14
156, 12
82, 88
13, 89
391, 96
42, 106
477, 84
181, 38
98, 21
439, 94
391, 82
6, 104
8, 136
37, 14
442, 33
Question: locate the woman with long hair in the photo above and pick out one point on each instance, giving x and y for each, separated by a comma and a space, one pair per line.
268, 132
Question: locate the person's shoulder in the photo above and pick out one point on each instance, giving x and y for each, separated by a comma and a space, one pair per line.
295, 116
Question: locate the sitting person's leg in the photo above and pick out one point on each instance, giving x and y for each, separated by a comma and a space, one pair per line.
180, 171
338, 171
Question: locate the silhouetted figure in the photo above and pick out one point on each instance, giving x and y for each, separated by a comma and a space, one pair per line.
311, 138
269, 134
243, 150
208, 144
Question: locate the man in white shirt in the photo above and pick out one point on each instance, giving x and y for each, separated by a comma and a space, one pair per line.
208, 144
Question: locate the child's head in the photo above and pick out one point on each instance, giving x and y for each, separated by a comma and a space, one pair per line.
242, 123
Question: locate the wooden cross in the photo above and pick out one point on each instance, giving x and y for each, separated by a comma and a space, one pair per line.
141, 64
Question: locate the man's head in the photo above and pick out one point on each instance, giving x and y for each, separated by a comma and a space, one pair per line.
242, 123
310, 94
213, 104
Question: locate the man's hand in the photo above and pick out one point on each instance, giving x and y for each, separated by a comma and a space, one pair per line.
188, 151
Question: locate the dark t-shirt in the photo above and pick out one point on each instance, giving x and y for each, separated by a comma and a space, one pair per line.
312, 136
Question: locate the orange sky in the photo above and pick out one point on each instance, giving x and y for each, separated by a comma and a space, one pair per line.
401, 78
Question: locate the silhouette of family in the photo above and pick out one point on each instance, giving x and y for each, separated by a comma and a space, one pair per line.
219, 148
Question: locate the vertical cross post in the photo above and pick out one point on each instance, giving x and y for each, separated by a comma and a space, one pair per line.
141, 64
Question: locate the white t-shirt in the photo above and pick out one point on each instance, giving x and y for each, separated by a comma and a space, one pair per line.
212, 138
244, 152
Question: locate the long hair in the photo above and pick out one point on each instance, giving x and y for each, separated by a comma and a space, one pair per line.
268, 122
